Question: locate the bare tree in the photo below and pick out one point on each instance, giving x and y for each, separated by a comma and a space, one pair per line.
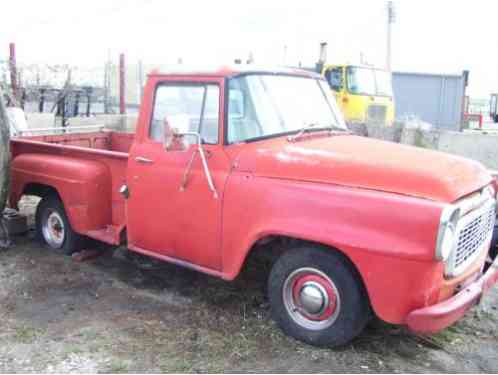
4, 167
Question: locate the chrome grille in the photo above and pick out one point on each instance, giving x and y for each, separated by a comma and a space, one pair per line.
474, 231
376, 114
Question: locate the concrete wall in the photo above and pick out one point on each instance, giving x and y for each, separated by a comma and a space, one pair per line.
478, 145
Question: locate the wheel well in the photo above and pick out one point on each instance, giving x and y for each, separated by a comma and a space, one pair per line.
40, 190
268, 249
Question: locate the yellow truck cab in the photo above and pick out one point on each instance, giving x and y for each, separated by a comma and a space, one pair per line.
363, 93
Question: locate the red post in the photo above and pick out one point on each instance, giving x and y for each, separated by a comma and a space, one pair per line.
13, 69
122, 84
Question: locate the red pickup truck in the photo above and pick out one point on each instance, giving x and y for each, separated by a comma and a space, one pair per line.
228, 162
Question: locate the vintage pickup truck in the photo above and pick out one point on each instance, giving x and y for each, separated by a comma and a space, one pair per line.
233, 162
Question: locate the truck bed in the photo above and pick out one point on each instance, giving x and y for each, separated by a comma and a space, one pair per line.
104, 140
107, 148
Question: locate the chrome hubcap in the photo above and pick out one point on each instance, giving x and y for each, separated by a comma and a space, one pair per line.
311, 298
53, 230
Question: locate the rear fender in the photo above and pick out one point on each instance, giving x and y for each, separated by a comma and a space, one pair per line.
84, 186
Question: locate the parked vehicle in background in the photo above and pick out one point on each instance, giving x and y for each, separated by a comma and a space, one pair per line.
493, 107
230, 163
363, 93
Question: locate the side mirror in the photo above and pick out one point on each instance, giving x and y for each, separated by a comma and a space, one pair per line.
173, 139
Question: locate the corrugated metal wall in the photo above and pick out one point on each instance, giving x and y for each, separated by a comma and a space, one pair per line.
434, 98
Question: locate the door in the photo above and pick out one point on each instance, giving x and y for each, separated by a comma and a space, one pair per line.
171, 210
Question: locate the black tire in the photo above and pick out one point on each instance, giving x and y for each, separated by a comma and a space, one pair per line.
496, 118
494, 243
71, 241
354, 308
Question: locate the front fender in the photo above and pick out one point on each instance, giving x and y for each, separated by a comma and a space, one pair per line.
83, 186
389, 238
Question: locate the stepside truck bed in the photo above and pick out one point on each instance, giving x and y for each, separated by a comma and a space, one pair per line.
85, 169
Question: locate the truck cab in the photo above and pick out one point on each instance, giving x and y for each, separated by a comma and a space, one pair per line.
363, 93
237, 162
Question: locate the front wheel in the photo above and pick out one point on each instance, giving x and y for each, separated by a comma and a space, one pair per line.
316, 296
53, 227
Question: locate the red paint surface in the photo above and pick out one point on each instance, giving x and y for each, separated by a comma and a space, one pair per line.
376, 202
437, 317
367, 163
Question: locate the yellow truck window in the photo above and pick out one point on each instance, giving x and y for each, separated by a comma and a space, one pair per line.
335, 78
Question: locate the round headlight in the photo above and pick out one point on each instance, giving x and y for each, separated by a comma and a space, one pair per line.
447, 232
447, 242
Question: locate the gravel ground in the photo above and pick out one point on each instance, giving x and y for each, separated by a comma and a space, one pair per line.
122, 313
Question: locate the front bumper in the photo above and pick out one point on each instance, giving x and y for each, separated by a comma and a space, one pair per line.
441, 315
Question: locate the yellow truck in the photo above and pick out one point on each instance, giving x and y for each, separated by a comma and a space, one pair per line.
364, 93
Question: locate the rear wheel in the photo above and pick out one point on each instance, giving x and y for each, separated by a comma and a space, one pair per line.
316, 296
53, 228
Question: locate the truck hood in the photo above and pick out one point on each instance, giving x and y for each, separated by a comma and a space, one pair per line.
361, 162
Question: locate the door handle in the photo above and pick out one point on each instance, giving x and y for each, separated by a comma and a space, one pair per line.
143, 160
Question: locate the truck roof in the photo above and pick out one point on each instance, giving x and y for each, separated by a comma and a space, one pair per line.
233, 70
364, 66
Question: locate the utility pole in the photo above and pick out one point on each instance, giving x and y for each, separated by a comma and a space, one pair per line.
141, 79
13, 70
122, 84
107, 83
391, 17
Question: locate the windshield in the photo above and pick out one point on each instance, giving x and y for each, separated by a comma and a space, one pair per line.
262, 106
368, 81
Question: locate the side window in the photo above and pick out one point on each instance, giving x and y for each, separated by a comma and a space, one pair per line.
335, 78
187, 108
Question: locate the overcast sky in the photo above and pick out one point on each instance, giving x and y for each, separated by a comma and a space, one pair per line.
428, 36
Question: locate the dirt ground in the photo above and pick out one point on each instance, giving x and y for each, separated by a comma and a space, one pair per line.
120, 313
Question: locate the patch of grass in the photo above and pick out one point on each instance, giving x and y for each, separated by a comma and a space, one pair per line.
176, 366
117, 366
448, 336
26, 335
89, 334
72, 349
